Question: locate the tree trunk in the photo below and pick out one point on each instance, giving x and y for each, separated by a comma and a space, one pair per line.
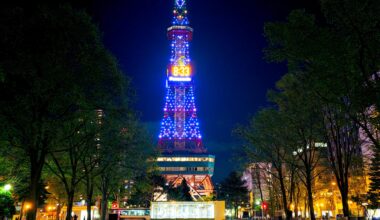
22, 209
257, 171
344, 194
35, 171
305, 208
32, 202
104, 189
296, 202
88, 208
90, 191
310, 195
288, 213
59, 208
258, 176
104, 207
70, 202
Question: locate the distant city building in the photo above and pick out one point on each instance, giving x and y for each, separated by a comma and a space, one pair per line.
258, 180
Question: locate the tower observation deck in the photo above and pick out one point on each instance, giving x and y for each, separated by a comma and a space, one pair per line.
183, 155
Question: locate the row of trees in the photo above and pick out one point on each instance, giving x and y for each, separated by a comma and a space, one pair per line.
330, 98
233, 190
67, 129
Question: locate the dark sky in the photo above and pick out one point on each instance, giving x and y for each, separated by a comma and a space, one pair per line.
232, 77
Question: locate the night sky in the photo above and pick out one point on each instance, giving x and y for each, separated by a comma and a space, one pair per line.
231, 76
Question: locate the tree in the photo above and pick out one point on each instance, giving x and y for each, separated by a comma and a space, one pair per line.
1, 75
304, 124
374, 176
53, 65
7, 208
66, 165
356, 30
343, 145
334, 74
234, 191
267, 135
90, 163
57, 193
145, 187
180, 193
125, 152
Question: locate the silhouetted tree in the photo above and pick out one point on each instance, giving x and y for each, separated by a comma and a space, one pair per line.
374, 176
336, 64
53, 66
268, 142
7, 208
234, 191
180, 193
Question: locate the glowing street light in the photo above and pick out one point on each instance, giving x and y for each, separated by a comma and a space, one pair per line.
27, 206
7, 187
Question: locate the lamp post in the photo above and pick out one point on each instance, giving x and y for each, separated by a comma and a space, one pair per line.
7, 187
27, 207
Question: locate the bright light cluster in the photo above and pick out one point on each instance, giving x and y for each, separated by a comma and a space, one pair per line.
181, 70
175, 105
179, 126
184, 169
179, 79
182, 210
186, 159
179, 13
180, 58
181, 34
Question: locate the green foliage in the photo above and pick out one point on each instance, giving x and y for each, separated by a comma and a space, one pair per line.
286, 137
55, 73
332, 74
7, 208
1, 75
142, 192
233, 190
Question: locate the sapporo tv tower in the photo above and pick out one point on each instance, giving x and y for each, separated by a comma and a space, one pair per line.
180, 141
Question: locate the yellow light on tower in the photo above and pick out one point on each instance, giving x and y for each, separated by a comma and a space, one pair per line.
181, 70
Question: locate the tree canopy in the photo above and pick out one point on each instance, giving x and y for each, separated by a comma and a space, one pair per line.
55, 77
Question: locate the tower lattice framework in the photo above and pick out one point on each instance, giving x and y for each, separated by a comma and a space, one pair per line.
180, 140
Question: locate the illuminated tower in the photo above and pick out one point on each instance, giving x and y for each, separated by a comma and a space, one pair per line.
180, 141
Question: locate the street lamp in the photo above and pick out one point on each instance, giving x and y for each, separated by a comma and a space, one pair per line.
27, 206
7, 187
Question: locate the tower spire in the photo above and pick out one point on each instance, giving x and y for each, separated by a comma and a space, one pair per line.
180, 127
180, 13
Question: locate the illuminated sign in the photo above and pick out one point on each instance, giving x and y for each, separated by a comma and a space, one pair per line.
180, 79
181, 71
188, 210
